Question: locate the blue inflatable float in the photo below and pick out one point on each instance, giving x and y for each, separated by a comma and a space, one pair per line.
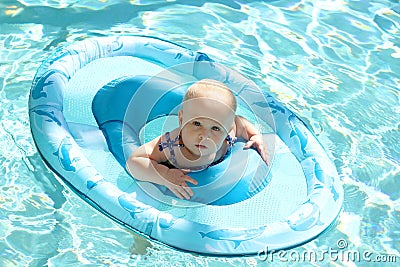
92, 103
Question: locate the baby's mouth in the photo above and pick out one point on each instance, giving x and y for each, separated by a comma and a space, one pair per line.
199, 146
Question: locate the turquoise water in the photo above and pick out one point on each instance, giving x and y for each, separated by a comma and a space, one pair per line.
335, 63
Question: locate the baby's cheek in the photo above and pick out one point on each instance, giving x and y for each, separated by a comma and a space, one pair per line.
219, 142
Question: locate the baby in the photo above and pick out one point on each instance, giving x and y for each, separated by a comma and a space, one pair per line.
208, 128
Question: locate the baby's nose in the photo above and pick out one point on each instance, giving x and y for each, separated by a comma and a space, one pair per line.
203, 135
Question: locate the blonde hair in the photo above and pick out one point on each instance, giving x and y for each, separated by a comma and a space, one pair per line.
203, 88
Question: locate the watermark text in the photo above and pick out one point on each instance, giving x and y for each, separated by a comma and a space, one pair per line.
342, 253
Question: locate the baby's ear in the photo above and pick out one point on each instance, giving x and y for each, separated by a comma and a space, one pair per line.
180, 117
232, 130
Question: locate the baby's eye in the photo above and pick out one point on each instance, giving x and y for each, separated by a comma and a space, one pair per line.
196, 123
216, 128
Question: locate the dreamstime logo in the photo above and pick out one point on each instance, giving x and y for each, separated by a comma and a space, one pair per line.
342, 253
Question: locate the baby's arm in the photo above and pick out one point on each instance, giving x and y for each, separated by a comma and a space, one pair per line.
249, 132
144, 165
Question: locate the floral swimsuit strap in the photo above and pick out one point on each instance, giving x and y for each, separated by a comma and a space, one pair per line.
170, 144
231, 141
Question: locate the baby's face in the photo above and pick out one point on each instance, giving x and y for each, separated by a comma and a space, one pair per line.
205, 123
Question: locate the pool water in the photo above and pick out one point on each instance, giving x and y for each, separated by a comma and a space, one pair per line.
336, 63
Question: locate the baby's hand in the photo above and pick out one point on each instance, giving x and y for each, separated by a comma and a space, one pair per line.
257, 141
176, 182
